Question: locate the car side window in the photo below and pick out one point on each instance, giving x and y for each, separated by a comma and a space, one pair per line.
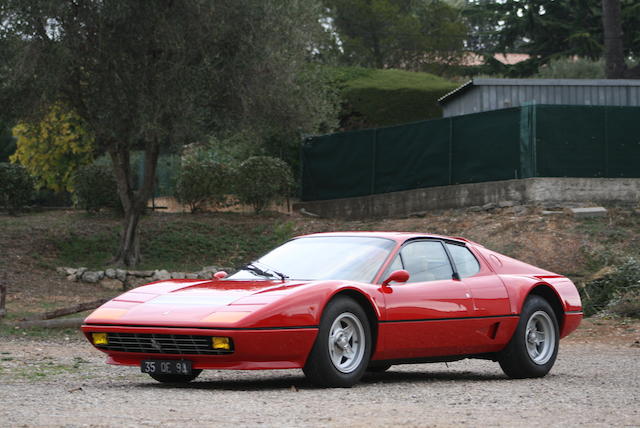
426, 261
466, 263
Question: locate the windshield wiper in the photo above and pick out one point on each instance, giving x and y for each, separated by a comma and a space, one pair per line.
272, 274
255, 269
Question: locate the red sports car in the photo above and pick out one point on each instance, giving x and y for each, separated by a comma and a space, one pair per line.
339, 304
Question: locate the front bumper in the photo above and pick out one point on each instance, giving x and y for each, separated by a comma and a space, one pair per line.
273, 348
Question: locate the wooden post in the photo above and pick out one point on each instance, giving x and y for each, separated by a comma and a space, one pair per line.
3, 298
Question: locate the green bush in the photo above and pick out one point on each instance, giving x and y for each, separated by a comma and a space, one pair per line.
261, 180
617, 290
374, 98
95, 188
569, 68
16, 187
203, 181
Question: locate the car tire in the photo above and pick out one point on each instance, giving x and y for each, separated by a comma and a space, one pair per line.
378, 368
533, 348
176, 378
341, 352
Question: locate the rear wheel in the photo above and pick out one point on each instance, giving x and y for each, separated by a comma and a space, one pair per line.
342, 349
176, 378
533, 348
378, 368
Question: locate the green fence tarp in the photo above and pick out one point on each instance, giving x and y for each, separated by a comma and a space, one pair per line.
570, 144
338, 165
528, 141
622, 133
485, 146
410, 156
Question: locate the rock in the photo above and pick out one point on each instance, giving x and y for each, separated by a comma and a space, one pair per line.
66, 270
92, 277
72, 277
418, 214
205, 274
589, 212
506, 204
80, 271
308, 213
161, 275
474, 209
110, 273
545, 212
121, 275
488, 206
135, 281
111, 284
519, 210
177, 275
142, 273
191, 275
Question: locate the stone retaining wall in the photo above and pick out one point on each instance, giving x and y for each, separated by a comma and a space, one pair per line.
120, 279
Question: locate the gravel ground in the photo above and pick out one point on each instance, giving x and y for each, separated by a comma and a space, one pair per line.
594, 383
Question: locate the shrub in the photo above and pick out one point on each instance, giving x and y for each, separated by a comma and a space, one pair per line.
572, 68
617, 290
95, 188
53, 149
261, 180
202, 181
373, 98
16, 187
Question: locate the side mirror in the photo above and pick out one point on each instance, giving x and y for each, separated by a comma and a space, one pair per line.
220, 274
397, 276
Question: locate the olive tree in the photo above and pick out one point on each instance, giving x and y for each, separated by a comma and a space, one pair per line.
156, 74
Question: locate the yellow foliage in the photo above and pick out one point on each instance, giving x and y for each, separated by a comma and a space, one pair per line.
53, 149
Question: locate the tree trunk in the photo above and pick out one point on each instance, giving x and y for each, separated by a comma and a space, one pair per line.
61, 323
613, 48
133, 202
80, 307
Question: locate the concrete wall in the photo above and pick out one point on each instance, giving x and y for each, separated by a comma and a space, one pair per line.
529, 191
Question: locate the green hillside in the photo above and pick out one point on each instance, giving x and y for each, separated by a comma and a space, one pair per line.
375, 98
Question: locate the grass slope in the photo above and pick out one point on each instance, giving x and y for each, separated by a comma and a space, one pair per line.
389, 97
33, 245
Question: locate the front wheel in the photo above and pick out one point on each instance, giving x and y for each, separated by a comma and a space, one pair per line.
176, 378
342, 349
533, 348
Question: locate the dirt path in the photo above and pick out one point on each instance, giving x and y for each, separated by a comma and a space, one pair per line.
595, 382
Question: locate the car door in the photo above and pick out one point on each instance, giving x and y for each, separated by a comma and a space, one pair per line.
426, 315
492, 322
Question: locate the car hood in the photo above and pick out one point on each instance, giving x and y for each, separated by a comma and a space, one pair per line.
192, 303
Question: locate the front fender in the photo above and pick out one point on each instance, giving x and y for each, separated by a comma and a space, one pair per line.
303, 306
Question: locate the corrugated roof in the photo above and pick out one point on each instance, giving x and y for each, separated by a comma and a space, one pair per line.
536, 82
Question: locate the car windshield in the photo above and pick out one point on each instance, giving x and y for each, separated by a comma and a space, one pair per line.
350, 258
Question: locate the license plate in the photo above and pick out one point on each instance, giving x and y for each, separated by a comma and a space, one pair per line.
166, 367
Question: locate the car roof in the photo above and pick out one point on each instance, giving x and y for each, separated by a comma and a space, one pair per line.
396, 236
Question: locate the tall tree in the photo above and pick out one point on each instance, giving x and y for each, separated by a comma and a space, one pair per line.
614, 40
548, 29
156, 74
613, 50
397, 33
